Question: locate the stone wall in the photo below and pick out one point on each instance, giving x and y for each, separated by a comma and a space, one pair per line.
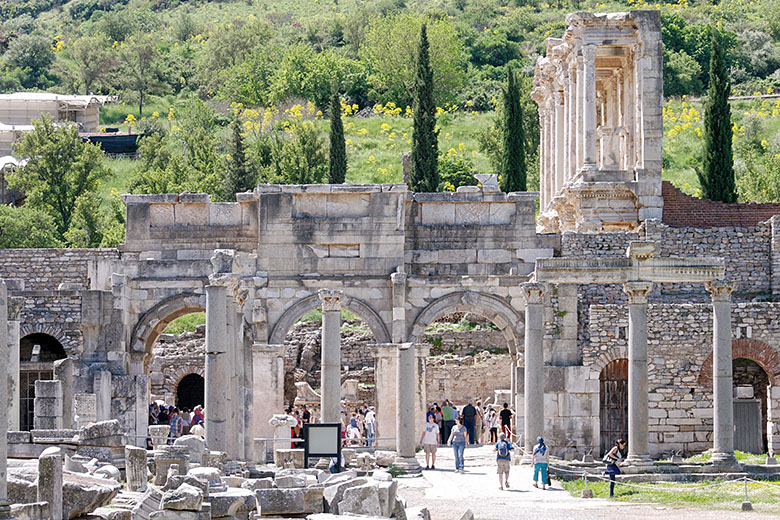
681, 210
56, 313
46, 269
460, 378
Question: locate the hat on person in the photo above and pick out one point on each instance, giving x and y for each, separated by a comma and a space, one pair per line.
539, 439
471, 401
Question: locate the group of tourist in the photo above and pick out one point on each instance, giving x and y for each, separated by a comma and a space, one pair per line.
359, 426
181, 421
482, 423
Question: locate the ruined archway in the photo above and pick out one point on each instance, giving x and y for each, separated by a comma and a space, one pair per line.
153, 322
37, 353
190, 391
301, 307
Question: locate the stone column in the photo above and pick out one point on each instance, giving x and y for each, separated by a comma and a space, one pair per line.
48, 405
579, 134
534, 367
542, 158
14, 398
723, 411
267, 387
571, 134
405, 418
566, 125
589, 112
141, 392
135, 468
50, 481
101, 384
63, 371
331, 355
638, 449
217, 369
560, 139
5, 507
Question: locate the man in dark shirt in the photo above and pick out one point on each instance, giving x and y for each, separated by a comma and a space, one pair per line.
469, 416
506, 421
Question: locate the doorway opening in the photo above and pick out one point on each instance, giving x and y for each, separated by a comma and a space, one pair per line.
190, 392
37, 354
613, 398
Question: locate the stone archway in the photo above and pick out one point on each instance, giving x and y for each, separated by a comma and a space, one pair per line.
301, 307
37, 353
508, 320
153, 322
190, 391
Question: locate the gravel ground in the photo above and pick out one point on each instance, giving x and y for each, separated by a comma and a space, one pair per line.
447, 495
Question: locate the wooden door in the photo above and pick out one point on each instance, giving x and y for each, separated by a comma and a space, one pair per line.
613, 397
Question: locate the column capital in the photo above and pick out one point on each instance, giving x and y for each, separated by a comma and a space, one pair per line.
398, 278
534, 292
637, 291
331, 299
720, 290
589, 51
557, 97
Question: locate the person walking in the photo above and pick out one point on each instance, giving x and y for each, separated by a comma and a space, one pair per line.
458, 441
430, 441
176, 425
612, 458
492, 420
370, 426
506, 421
469, 419
503, 449
447, 420
479, 423
541, 458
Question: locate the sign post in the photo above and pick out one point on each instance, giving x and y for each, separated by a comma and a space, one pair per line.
322, 440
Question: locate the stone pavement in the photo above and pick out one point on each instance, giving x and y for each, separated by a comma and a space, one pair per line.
447, 495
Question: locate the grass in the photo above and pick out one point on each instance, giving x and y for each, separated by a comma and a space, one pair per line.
742, 457
186, 323
727, 496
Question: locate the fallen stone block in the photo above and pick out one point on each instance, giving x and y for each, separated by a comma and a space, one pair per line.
183, 498
290, 481
381, 475
468, 515
361, 500
418, 513
195, 444
254, 484
235, 502
334, 492
331, 516
108, 471
279, 502
112, 513
174, 481
33, 511
384, 459
387, 492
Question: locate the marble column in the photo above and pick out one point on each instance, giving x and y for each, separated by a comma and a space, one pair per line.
135, 468
267, 386
5, 507
567, 126
589, 112
722, 381
560, 139
217, 369
638, 449
534, 367
63, 371
542, 159
14, 397
406, 433
331, 355
579, 137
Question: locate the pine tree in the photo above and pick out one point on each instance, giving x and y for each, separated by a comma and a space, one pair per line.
513, 172
717, 174
238, 175
425, 137
337, 172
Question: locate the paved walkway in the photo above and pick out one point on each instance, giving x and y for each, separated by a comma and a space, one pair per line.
447, 495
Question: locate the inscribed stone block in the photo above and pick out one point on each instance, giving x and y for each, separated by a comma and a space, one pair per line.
190, 214
434, 213
224, 214
472, 213
161, 215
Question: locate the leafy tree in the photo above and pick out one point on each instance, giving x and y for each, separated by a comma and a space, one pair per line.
390, 50
681, 74
455, 171
249, 82
94, 60
717, 173
298, 156
30, 51
61, 169
238, 174
337, 173
425, 136
140, 67
26, 227
513, 172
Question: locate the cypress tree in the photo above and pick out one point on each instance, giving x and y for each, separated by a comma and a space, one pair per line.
337, 172
238, 177
513, 172
425, 137
717, 174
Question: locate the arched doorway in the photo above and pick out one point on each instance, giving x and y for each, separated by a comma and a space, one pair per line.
750, 406
613, 399
190, 391
37, 353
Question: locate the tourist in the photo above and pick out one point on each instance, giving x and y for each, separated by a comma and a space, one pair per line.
503, 449
492, 420
370, 426
162, 417
506, 421
469, 419
458, 441
430, 413
479, 423
439, 416
197, 416
612, 458
305, 415
540, 459
430, 441
198, 430
353, 432
186, 420
447, 421
177, 425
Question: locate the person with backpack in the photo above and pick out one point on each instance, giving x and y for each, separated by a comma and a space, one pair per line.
503, 451
541, 458
613, 456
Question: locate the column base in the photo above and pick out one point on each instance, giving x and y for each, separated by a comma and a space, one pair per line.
527, 459
724, 460
408, 465
637, 464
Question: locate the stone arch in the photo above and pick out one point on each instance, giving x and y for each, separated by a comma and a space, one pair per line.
176, 387
301, 307
510, 322
752, 349
153, 322
50, 330
607, 357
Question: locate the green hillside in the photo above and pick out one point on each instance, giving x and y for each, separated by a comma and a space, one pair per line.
184, 69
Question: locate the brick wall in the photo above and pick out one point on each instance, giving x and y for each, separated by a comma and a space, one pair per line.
46, 269
681, 210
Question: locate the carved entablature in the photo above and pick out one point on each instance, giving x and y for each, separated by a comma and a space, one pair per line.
599, 90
